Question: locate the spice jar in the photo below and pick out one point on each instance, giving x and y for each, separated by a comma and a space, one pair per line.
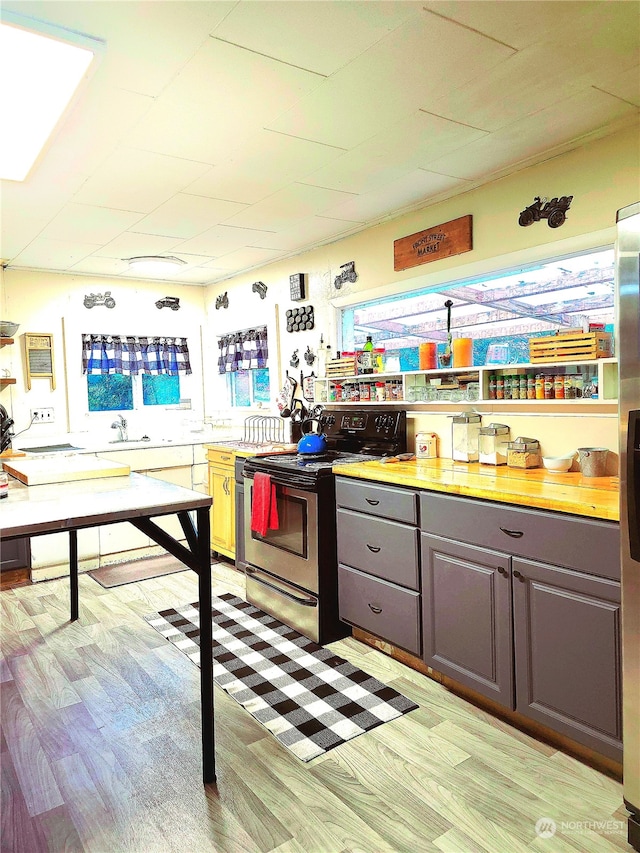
500, 388
531, 387
523, 453
539, 386
492, 387
558, 386
381, 395
548, 387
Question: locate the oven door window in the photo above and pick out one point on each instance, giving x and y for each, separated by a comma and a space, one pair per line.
292, 532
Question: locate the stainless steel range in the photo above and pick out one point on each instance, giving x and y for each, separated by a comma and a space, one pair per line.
291, 572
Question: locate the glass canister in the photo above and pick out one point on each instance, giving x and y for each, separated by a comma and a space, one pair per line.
523, 453
493, 444
465, 434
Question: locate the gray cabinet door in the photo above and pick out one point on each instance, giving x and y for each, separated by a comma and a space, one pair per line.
466, 600
567, 646
15, 554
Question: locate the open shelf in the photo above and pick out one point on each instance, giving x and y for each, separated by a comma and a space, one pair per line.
471, 385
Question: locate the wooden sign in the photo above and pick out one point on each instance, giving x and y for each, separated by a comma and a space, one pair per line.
442, 241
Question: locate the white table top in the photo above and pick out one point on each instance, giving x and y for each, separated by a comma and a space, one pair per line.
30, 510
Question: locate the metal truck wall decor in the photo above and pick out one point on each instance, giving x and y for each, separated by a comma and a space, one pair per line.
554, 211
222, 301
172, 302
348, 274
99, 299
260, 288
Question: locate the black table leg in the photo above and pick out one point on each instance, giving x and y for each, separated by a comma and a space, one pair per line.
206, 647
73, 573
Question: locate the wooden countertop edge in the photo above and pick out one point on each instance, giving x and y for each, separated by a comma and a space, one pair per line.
512, 487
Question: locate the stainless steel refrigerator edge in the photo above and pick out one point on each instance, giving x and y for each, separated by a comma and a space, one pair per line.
628, 313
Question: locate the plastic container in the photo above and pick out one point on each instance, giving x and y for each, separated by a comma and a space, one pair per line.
465, 432
426, 445
427, 356
462, 352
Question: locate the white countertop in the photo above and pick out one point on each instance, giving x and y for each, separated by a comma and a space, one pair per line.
86, 443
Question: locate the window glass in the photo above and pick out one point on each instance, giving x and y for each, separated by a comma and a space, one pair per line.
507, 306
248, 387
160, 390
109, 392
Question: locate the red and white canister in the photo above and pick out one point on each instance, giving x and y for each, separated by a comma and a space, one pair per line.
426, 445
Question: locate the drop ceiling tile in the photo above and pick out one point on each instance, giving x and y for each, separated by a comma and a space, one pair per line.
96, 265
138, 180
194, 275
185, 216
53, 254
132, 245
625, 86
555, 126
263, 165
416, 187
223, 94
89, 224
308, 232
320, 36
246, 258
427, 55
511, 21
394, 152
284, 208
219, 240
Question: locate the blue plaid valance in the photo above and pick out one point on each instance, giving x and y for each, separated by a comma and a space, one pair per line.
246, 350
131, 355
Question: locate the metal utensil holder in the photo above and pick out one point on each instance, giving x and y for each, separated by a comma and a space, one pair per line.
259, 429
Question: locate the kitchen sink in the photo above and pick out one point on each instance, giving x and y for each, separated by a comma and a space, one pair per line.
50, 448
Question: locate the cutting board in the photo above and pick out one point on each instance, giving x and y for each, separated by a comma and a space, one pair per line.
38, 472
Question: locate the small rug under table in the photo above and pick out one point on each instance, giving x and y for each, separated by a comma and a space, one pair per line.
310, 699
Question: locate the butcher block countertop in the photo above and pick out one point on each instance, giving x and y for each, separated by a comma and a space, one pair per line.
596, 497
38, 472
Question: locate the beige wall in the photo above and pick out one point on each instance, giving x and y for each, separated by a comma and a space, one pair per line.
602, 176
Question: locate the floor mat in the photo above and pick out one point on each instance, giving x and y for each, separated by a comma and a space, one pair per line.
137, 570
310, 699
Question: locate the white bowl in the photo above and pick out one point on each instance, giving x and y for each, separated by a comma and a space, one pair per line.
559, 464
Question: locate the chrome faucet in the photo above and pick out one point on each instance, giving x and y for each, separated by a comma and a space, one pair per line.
121, 426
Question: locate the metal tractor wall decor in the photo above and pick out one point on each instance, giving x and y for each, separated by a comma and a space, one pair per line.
260, 288
554, 211
222, 301
172, 302
105, 299
348, 274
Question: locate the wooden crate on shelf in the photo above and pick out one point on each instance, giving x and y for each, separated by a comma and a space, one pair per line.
337, 367
578, 346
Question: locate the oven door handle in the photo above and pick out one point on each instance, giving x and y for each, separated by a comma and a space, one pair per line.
306, 602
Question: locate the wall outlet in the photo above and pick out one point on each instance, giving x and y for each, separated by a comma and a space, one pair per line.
42, 416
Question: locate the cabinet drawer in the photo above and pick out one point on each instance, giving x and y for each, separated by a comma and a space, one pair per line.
588, 545
382, 548
397, 504
382, 608
218, 456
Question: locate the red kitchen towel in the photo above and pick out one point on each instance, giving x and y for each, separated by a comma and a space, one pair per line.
264, 507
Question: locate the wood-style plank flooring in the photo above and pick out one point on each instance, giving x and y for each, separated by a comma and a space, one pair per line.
100, 751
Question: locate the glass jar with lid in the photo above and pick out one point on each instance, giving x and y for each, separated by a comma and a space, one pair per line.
465, 432
493, 444
523, 453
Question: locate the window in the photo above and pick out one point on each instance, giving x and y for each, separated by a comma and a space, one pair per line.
514, 304
249, 387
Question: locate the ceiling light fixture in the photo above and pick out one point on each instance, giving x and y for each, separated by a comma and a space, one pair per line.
156, 264
45, 65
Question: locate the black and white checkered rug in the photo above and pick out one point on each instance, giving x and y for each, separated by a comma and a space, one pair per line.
310, 699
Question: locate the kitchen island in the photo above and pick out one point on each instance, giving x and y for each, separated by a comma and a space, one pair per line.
502, 583
73, 506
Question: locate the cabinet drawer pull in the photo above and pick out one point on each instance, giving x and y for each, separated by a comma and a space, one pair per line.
516, 534
225, 458
375, 609
502, 570
518, 575
371, 502
373, 548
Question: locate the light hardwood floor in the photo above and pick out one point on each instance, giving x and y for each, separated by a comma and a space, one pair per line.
100, 751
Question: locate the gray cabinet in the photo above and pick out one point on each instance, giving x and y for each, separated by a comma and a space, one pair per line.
378, 561
466, 600
490, 613
567, 653
15, 554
